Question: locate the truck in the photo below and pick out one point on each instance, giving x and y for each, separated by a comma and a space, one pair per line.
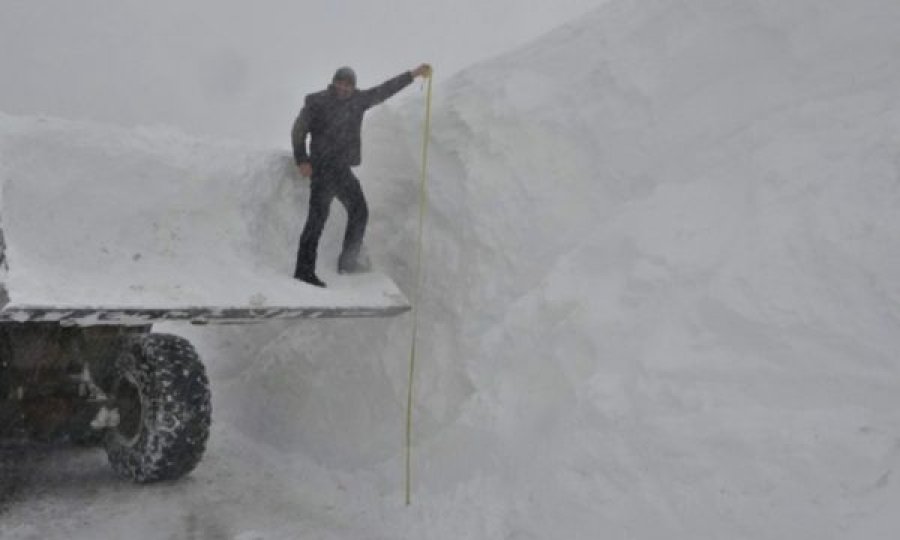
105, 232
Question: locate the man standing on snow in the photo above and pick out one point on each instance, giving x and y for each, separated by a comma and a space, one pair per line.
332, 119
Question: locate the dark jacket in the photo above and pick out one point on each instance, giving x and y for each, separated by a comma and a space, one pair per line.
334, 124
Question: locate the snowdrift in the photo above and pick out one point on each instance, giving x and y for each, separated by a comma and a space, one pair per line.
662, 285
103, 225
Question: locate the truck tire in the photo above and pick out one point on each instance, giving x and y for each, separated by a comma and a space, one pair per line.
161, 394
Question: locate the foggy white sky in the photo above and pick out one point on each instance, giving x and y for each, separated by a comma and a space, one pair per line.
238, 69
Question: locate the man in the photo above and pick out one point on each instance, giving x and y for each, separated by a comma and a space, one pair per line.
332, 119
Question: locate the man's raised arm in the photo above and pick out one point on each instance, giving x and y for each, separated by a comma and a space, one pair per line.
378, 94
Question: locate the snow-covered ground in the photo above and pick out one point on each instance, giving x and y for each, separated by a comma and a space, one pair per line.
661, 294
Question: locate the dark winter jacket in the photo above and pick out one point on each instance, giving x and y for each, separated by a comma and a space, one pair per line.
334, 124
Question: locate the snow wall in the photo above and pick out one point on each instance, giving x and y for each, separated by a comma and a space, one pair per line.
661, 293
662, 287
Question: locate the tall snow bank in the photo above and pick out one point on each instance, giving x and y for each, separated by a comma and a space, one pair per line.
662, 284
667, 236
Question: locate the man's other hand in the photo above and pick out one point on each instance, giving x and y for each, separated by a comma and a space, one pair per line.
305, 170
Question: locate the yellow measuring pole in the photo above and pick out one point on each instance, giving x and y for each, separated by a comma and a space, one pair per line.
423, 202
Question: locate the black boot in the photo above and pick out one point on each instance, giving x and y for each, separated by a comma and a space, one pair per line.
310, 277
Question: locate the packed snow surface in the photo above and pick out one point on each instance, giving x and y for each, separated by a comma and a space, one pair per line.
104, 218
660, 300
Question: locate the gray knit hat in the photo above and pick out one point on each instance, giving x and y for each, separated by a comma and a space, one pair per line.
345, 74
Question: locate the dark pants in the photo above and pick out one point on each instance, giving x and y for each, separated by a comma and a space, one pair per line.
328, 183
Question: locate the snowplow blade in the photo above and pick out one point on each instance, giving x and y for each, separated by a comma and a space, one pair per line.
102, 225
369, 295
89, 316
